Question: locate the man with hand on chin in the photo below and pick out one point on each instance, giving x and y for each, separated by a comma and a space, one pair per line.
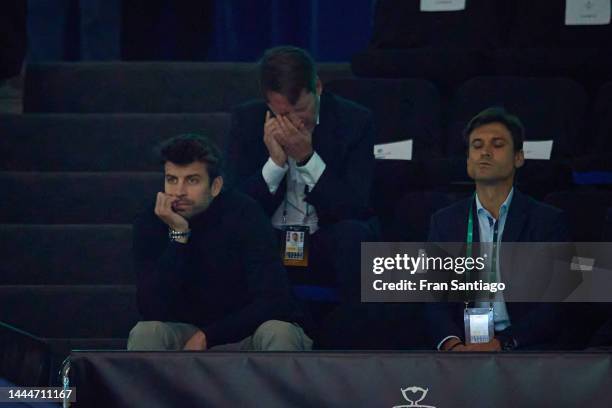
497, 212
208, 272
307, 157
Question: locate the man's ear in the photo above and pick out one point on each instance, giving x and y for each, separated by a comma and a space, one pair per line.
217, 185
519, 159
319, 87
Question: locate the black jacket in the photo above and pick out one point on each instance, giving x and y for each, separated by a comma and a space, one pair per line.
227, 280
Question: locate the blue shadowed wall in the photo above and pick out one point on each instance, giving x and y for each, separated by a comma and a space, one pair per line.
232, 30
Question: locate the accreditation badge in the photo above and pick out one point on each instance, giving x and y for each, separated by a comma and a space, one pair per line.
478, 323
295, 247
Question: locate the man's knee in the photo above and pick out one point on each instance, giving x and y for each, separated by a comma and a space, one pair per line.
276, 335
149, 335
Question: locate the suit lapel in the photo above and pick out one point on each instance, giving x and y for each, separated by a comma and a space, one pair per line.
325, 138
472, 205
509, 259
517, 218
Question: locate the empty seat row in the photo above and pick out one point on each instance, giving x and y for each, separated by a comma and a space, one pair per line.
450, 41
147, 87
487, 24
552, 109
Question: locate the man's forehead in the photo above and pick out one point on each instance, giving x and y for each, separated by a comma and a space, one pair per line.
196, 168
490, 131
281, 101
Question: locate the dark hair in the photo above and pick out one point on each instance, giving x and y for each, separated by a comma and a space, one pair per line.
497, 114
287, 70
188, 148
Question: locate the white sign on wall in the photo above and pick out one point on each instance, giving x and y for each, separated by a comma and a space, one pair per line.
442, 5
538, 150
587, 12
394, 151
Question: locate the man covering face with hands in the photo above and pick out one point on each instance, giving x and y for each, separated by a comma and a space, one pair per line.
307, 157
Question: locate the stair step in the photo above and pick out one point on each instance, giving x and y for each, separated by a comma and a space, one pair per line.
66, 254
146, 87
101, 311
116, 142
76, 198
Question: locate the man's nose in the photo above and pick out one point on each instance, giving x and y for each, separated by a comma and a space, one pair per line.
181, 188
485, 151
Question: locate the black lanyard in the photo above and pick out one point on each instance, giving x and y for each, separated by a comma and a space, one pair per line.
285, 201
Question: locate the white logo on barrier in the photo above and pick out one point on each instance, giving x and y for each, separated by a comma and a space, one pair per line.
414, 395
582, 264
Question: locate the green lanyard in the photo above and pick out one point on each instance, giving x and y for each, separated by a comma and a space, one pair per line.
470, 239
470, 230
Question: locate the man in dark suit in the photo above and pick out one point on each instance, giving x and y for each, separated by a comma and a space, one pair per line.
494, 141
307, 157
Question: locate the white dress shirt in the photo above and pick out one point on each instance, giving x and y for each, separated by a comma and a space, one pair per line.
294, 210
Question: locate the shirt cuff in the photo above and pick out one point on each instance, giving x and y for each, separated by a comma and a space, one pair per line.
312, 171
446, 338
273, 174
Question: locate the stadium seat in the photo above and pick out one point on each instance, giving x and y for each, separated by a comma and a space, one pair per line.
541, 24
413, 213
446, 47
607, 229
601, 121
595, 167
401, 24
586, 212
407, 109
550, 109
541, 44
403, 109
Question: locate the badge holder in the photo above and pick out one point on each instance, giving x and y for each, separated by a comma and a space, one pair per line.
478, 322
295, 245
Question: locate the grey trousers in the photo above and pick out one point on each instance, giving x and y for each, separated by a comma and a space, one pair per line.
272, 335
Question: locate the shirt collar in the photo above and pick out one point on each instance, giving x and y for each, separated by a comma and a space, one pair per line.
503, 209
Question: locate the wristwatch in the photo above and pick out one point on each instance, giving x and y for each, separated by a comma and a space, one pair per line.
176, 235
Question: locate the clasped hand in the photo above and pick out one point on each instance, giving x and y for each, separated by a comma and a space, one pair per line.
286, 136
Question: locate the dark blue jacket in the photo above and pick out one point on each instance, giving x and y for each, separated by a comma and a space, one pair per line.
528, 220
